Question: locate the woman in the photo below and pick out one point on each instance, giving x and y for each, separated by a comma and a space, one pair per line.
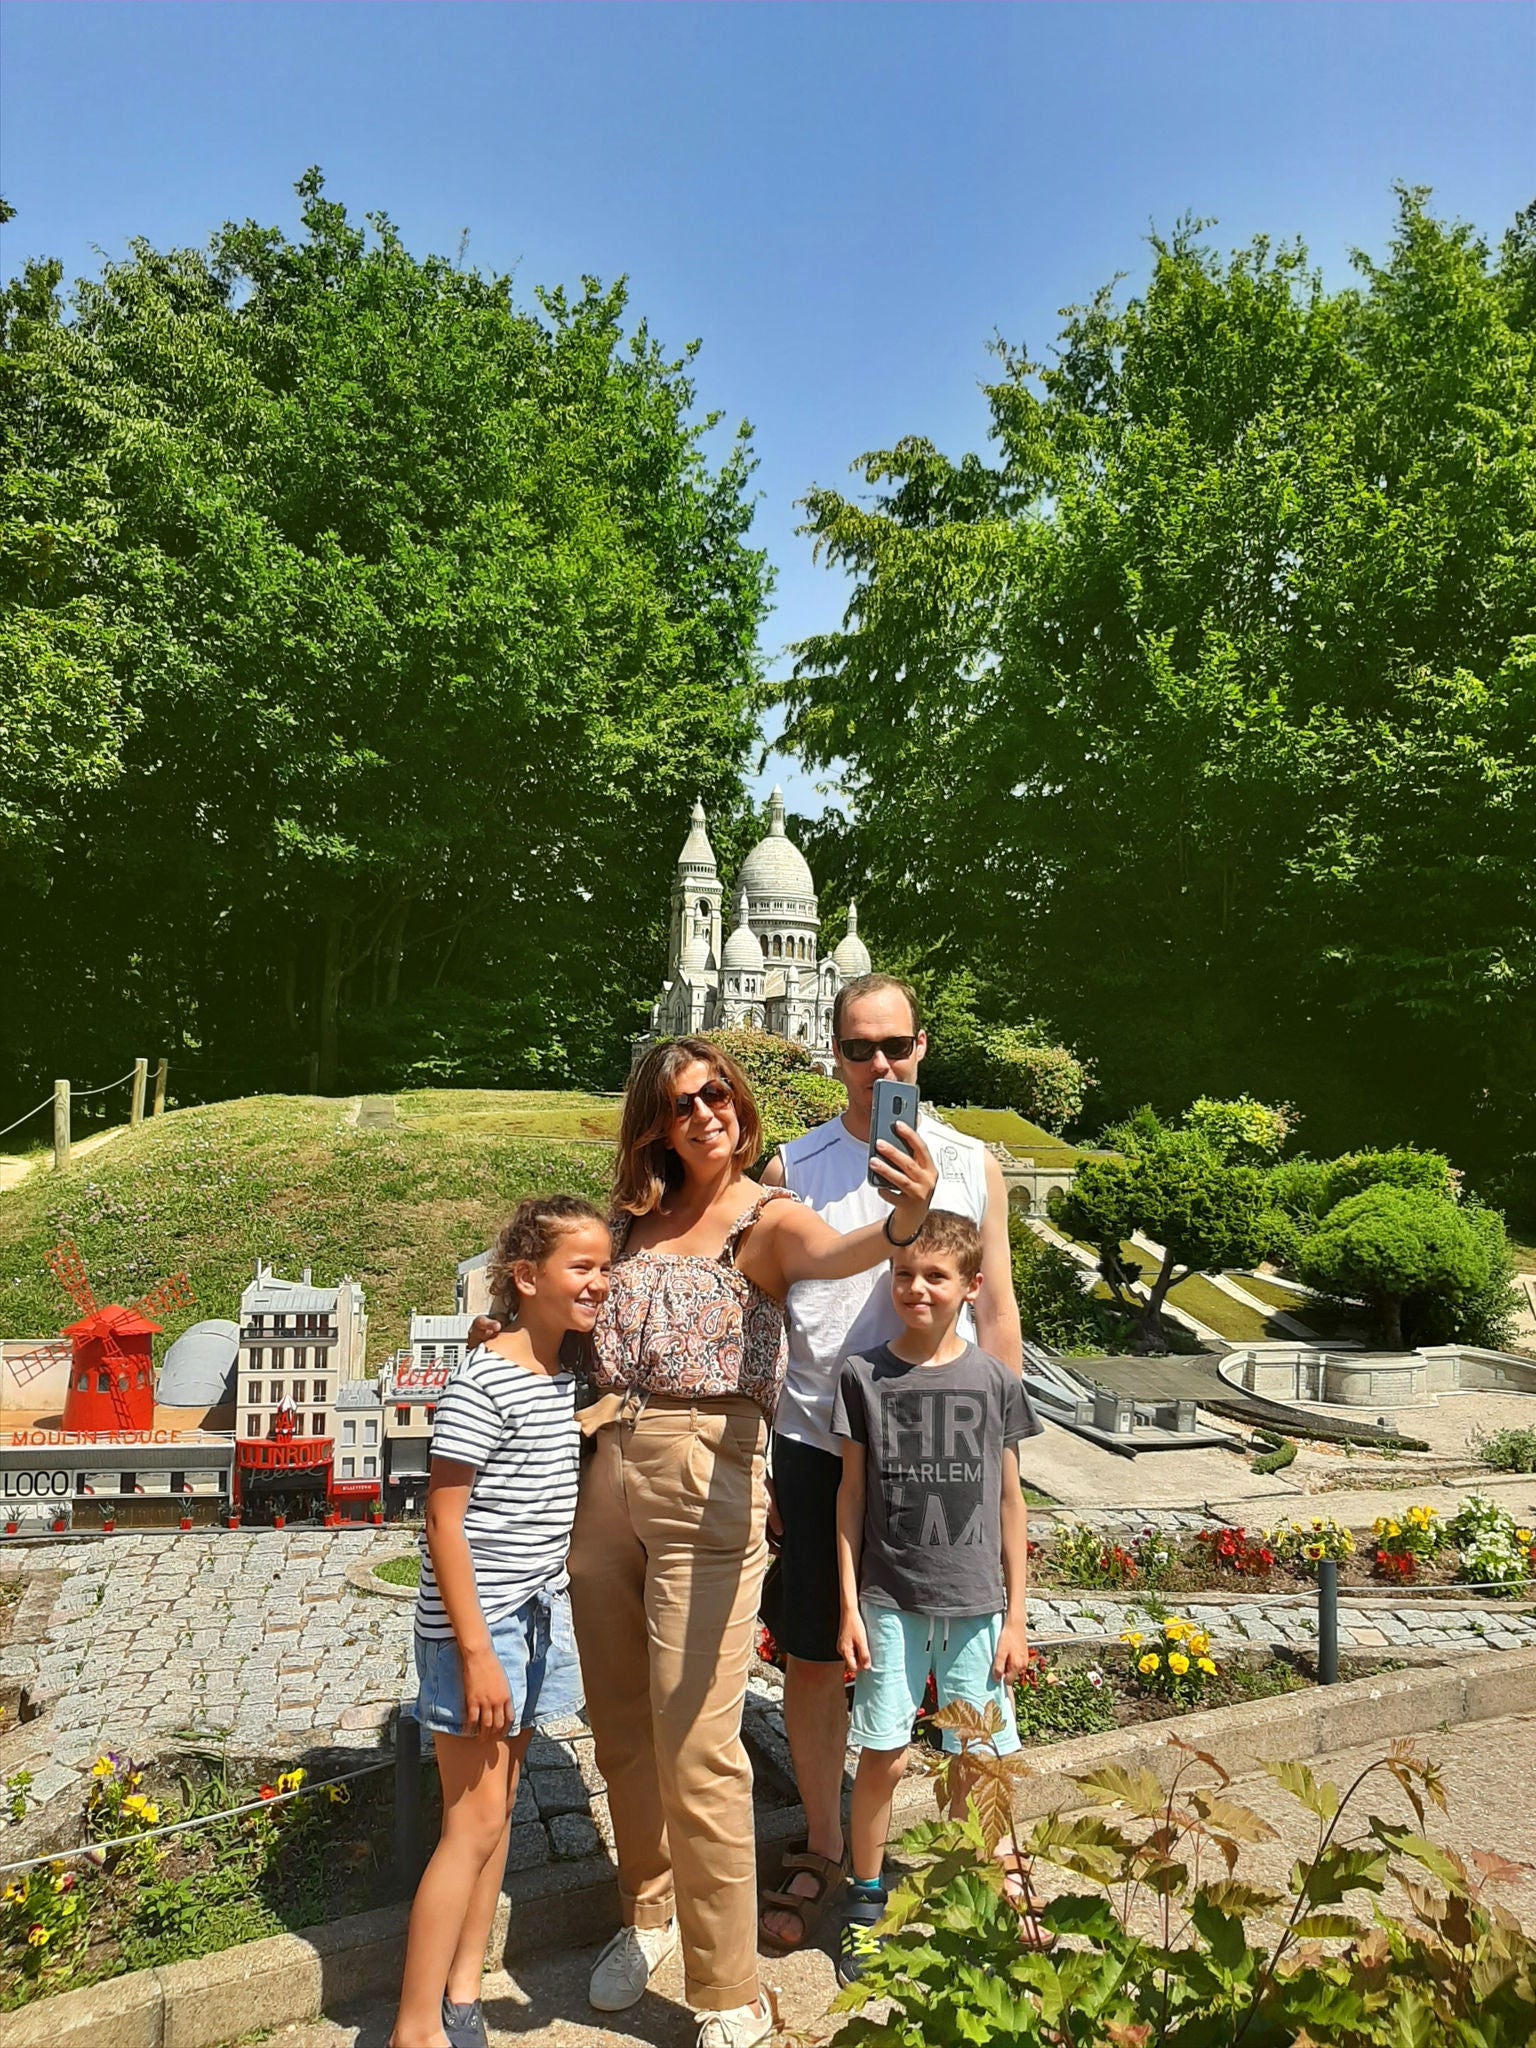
669, 1547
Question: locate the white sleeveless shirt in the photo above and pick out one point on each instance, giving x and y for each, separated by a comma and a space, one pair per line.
829, 1169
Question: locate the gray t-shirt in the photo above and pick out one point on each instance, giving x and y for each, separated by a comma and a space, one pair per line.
934, 1437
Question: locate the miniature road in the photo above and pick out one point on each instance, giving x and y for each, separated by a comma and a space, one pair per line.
1488, 1768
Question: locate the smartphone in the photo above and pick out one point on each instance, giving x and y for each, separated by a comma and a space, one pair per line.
893, 1103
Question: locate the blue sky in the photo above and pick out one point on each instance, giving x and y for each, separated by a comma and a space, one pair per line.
843, 201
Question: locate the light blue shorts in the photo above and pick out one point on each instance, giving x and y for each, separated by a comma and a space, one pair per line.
536, 1648
903, 1650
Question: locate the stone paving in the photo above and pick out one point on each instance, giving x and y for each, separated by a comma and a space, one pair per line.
255, 1642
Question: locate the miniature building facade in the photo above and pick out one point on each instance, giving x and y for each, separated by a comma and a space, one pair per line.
298, 1344
410, 1385
767, 975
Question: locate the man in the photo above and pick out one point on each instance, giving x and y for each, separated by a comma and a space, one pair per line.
876, 1034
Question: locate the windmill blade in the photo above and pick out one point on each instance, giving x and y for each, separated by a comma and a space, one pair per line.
68, 1268
173, 1293
27, 1366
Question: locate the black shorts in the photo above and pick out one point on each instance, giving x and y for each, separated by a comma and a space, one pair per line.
806, 1608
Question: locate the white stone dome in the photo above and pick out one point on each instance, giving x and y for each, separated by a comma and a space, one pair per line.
743, 949
850, 955
776, 870
199, 1369
697, 854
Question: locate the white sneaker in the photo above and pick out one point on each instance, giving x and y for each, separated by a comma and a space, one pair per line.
741, 2026
622, 1971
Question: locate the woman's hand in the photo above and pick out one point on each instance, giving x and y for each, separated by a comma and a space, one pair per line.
487, 1695
909, 1179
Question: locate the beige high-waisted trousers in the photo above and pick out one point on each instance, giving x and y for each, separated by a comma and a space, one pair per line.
666, 1567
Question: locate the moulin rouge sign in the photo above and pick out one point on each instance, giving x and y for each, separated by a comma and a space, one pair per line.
74, 1439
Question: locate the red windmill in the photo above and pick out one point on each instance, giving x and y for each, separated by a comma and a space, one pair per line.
111, 1371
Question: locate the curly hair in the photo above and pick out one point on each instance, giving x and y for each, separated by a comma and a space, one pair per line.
647, 1166
531, 1233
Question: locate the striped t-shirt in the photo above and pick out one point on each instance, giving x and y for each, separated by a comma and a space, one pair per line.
518, 1430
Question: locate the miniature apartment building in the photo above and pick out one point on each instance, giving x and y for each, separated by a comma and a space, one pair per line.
298, 1373
358, 1452
411, 1384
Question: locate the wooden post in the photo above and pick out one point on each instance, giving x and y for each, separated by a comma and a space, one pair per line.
160, 1089
140, 1083
60, 1126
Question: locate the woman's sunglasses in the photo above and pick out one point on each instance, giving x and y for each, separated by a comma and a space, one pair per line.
858, 1050
714, 1095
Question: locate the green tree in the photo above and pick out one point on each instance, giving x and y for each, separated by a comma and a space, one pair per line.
416, 618
1175, 1189
1204, 707
1392, 1247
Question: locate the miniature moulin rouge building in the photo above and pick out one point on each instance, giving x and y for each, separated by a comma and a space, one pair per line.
300, 1358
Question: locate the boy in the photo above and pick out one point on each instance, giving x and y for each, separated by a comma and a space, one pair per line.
931, 1537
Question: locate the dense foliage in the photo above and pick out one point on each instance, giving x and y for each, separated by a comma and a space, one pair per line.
1203, 710
364, 637
1390, 1247
1178, 1189
1160, 1939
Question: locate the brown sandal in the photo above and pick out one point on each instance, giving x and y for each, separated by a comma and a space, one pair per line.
807, 1907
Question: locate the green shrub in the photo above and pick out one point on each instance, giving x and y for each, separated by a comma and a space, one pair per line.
1394, 1247
1050, 1704
1161, 1944
1275, 1461
1506, 1450
1245, 1132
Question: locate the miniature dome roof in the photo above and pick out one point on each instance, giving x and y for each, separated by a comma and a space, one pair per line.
697, 852
776, 867
743, 949
695, 954
850, 954
199, 1368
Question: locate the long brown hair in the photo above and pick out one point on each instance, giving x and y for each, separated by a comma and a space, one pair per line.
527, 1238
647, 1167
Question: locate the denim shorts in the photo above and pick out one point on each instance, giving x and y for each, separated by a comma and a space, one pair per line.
903, 1649
536, 1648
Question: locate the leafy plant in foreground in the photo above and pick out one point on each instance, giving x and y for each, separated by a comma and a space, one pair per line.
1160, 1945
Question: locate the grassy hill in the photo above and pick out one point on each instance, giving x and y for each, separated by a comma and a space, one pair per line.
291, 1179
1007, 1127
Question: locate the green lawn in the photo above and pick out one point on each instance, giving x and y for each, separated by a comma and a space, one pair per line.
1007, 1127
289, 1179
1524, 1256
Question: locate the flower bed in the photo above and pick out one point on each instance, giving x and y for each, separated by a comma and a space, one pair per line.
1482, 1545
294, 1862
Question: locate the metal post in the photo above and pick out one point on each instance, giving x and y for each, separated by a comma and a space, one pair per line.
409, 1860
160, 1089
60, 1126
140, 1083
1328, 1622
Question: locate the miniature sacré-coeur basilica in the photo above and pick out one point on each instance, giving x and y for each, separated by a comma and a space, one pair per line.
765, 973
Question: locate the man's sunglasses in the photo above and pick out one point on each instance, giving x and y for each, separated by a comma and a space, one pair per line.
858, 1050
714, 1095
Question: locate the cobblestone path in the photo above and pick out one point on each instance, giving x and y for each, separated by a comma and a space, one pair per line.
255, 1642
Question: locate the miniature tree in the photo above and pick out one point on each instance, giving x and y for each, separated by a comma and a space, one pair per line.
1175, 1188
1391, 1247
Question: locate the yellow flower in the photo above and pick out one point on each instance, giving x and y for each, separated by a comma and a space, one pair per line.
1133, 1637
141, 1808
38, 1937
1178, 1663
290, 1781
1175, 1628
1522, 1536
1207, 1667
1147, 1663
103, 1767
12, 1893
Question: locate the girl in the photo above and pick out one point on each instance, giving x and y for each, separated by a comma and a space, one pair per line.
495, 1652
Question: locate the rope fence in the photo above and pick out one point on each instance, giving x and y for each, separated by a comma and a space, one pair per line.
199, 1820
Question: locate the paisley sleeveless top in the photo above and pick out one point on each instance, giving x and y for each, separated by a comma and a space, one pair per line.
688, 1326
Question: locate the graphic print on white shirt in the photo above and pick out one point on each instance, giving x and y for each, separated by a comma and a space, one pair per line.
827, 1319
